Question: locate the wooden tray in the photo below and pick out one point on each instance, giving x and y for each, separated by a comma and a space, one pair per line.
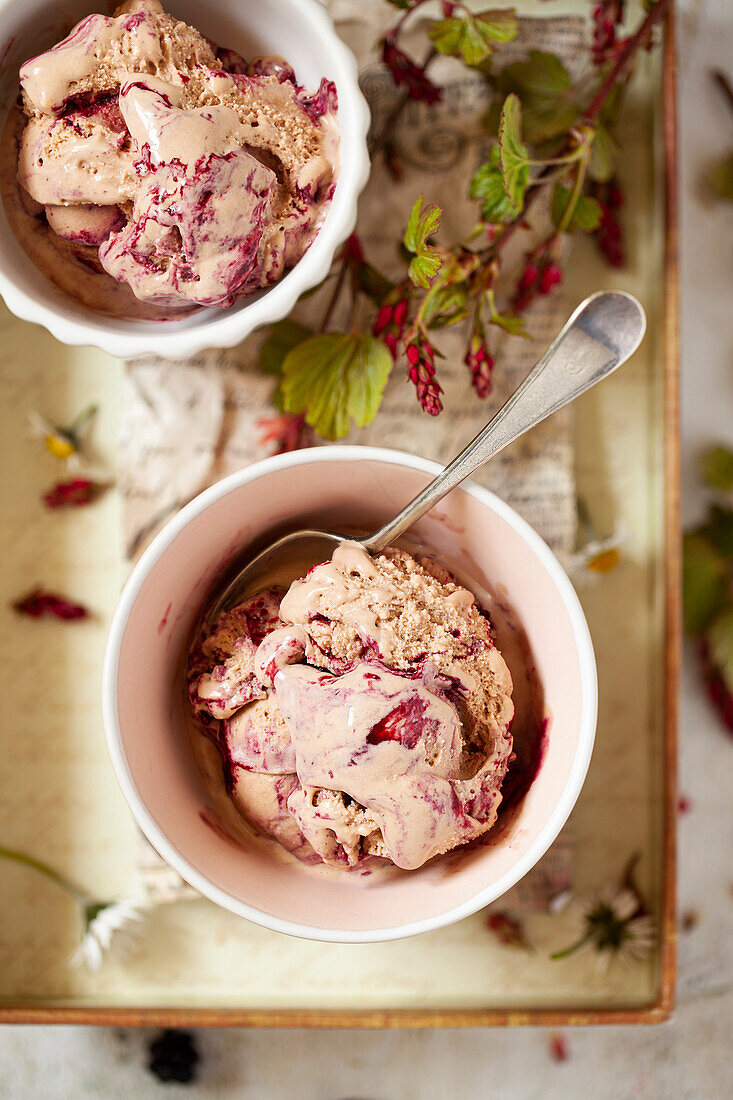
203, 967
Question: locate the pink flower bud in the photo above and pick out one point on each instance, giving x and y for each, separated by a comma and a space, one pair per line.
529, 276
400, 312
551, 276
383, 318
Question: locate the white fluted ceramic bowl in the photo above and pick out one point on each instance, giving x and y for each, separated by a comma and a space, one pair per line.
299, 30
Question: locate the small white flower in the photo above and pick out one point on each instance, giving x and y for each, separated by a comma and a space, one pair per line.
112, 929
67, 444
614, 925
595, 557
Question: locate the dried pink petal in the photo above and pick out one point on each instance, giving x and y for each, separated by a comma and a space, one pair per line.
559, 1047
288, 432
76, 492
40, 604
507, 929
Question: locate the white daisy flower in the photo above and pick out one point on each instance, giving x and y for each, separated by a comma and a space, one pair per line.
111, 928
614, 923
67, 444
108, 926
594, 557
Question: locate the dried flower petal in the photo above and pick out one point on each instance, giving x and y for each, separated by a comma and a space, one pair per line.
689, 920
507, 929
76, 492
40, 604
559, 1047
289, 432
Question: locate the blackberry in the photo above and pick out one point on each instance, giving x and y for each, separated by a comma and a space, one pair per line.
173, 1056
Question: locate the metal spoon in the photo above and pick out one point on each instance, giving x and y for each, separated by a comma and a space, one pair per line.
601, 335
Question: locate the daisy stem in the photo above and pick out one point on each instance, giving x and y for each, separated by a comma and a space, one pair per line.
55, 876
85, 415
573, 947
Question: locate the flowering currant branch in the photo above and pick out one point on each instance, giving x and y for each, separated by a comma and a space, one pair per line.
553, 140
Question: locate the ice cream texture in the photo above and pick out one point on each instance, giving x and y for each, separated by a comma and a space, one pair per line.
196, 178
363, 714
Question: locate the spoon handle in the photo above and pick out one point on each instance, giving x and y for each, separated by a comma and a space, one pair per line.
601, 335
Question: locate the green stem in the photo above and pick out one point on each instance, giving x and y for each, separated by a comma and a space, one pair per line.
575, 195
568, 159
84, 416
336, 294
573, 948
37, 865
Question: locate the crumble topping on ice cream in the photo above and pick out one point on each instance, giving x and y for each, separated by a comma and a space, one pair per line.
188, 175
363, 713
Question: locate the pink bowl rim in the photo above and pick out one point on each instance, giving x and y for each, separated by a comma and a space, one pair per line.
179, 863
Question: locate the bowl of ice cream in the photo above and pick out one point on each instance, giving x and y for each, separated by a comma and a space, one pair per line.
173, 176
366, 750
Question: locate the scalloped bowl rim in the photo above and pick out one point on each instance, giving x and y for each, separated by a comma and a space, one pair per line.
231, 326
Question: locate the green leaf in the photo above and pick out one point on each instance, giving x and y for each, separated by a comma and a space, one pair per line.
445, 305
421, 226
720, 178
425, 267
547, 94
586, 214
283, 337
719, 531
542, 74
720, 641
716, 466
335, 378
510, 323
487, 186
703, 582
603, 154
472, 36
513, 155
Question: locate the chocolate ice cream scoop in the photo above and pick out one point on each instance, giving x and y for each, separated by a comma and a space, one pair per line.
193, 177
379, 692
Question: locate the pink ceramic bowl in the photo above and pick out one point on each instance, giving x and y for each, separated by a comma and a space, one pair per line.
144, 698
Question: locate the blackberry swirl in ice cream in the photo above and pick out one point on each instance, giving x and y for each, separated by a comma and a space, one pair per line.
363, 714
148, 156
